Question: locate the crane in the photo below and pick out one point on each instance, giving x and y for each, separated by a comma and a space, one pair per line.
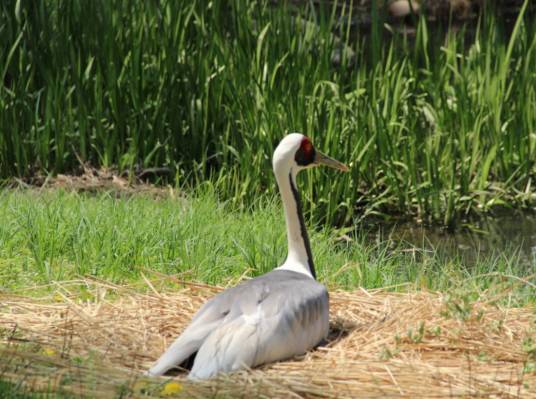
272, 317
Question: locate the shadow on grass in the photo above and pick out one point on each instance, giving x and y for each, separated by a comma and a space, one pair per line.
339, 329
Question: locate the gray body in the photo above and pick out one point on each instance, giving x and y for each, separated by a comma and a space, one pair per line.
272, 317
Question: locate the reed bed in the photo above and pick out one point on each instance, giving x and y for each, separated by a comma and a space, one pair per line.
381, 344
436, 124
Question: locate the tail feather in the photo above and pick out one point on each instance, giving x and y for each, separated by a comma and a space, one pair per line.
184, 346
230, 347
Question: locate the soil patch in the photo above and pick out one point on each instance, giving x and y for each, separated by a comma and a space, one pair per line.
93, 180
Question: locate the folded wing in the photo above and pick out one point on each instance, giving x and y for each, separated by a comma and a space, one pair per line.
269, 318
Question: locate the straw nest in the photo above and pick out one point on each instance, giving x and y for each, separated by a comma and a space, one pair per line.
382, 344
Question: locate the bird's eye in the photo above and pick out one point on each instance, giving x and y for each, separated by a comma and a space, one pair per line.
306, 153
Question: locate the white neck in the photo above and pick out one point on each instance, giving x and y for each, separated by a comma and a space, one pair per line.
299, 258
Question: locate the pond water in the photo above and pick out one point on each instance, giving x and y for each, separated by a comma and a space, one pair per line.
508, 233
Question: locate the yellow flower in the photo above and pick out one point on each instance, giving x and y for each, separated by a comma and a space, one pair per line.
171, 388
49, 352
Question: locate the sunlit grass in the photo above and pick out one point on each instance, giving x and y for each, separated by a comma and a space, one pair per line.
57, 235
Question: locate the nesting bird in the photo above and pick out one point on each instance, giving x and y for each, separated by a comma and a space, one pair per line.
271, 317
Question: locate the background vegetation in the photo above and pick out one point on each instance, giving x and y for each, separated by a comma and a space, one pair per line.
434, 126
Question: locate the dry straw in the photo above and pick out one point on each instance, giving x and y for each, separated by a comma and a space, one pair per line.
382, 344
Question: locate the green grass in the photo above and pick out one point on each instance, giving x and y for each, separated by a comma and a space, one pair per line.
18, 390
57, 235
433, 127
10, 390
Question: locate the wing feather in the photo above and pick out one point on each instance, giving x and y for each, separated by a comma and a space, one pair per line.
277, 328
269, 318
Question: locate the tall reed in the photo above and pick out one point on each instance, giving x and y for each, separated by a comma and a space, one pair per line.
434, 126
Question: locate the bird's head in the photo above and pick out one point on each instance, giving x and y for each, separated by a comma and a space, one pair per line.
296, 152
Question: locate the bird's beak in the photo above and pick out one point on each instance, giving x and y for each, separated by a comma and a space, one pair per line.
323, 159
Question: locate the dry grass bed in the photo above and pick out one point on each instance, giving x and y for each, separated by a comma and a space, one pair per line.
382, 344
99, 180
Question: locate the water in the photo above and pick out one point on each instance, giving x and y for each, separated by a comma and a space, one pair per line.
507, 233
